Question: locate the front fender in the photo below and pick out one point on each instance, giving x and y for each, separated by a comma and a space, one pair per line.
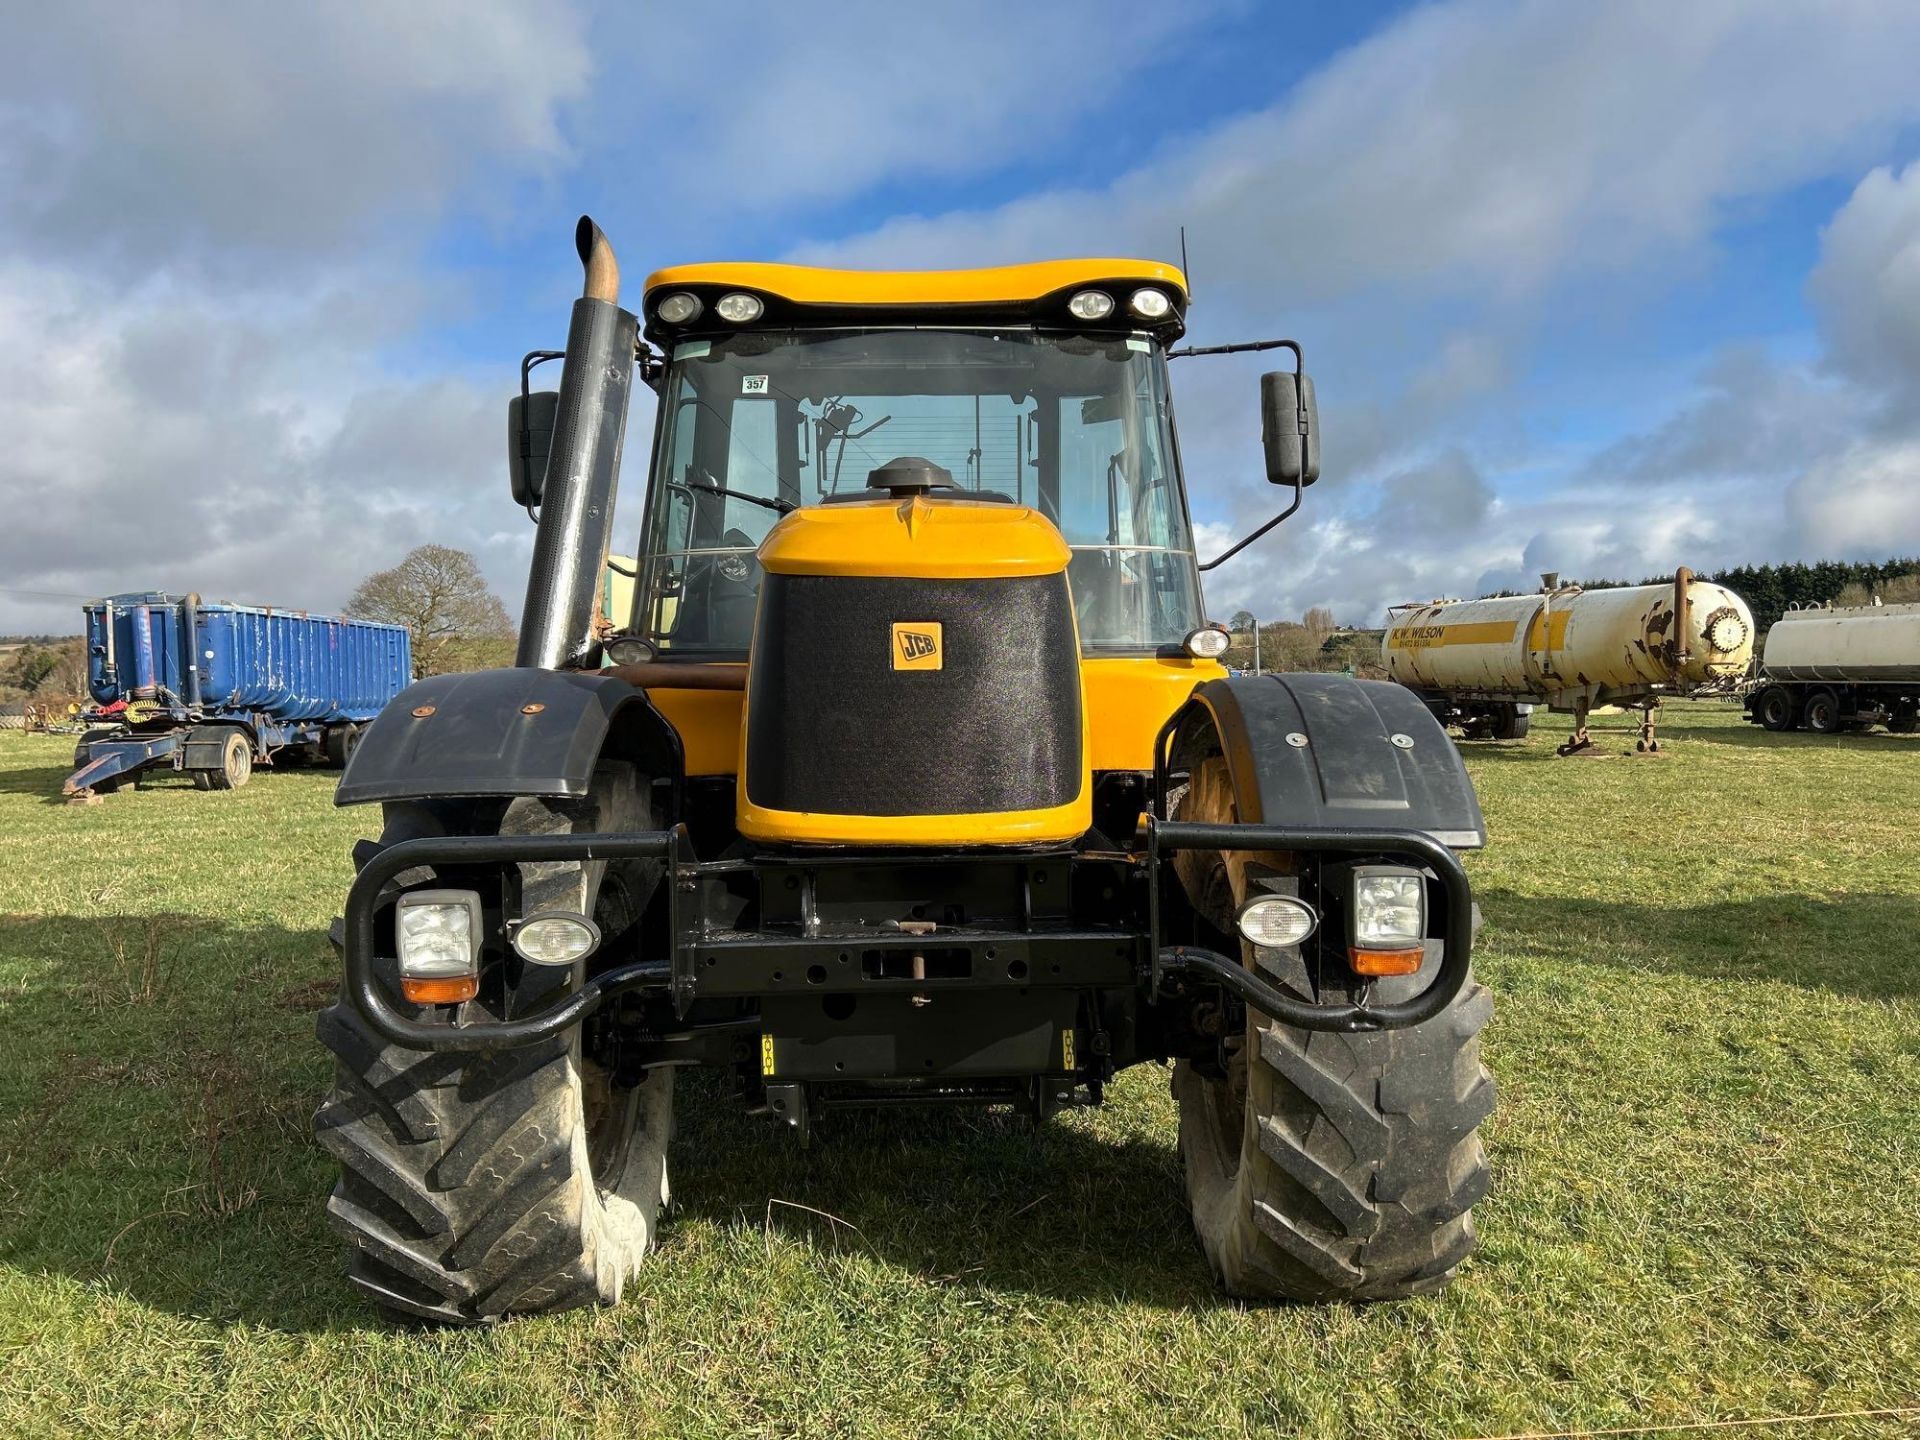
1306, 749
506, 732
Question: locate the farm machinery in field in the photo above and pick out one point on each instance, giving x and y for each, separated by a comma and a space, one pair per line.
909, 777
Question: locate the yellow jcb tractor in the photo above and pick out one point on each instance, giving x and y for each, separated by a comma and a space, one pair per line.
909, 775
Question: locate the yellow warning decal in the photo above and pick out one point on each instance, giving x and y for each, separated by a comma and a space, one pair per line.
1066, 1049
916, 645
766, 1054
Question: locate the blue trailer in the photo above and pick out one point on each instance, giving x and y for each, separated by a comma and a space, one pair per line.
213, 690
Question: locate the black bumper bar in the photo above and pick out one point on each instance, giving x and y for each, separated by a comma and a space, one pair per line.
368, 996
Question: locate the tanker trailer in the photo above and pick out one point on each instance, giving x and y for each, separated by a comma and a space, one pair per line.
1838, 669
1483, 664
212, 690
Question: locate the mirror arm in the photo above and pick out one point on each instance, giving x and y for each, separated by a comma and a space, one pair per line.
1222, 559
1242, 348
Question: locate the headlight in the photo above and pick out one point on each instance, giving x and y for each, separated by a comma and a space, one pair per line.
1091, 305
556, 939
1388, 919
628, 650
678, 308
1207, 643
1276, 921
1150, 304
738, 308
439, 943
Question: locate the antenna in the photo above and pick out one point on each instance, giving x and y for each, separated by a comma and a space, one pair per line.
1183, 264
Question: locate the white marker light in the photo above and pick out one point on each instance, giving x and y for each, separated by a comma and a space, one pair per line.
1150, 304
1276, 921
678, 309
1207, 643
628, 650
1091, 305
556, 939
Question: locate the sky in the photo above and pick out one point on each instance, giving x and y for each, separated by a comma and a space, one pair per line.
1600, 289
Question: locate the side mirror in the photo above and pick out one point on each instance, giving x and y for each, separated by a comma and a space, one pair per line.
530, 420
1290, 428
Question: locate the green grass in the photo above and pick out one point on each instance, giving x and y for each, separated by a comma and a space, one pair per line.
1707, 1160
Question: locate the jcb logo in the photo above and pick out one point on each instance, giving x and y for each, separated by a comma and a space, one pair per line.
916, 645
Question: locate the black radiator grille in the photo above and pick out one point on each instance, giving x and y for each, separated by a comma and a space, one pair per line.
835, 728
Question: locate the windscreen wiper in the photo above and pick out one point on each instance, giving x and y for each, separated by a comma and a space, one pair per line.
779, 507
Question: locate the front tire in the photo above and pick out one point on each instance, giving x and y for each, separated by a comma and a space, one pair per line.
1324, 1166
474, 1187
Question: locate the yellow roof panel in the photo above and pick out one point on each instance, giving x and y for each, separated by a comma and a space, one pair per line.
806, 285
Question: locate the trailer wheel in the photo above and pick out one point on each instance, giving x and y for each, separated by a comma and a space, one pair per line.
235, 768
1775, 709
1327, 1166
1510, 724
474, 1187
339, 743
1823, 713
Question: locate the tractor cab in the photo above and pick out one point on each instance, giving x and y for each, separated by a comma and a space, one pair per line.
1013, 400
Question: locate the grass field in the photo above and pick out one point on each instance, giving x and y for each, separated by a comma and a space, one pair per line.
1706, 1202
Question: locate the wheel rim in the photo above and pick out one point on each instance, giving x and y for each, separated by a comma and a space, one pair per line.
237, 760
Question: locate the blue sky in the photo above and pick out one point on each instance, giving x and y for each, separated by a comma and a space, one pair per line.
1600, 289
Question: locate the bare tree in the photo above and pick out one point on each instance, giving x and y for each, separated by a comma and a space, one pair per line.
439, 594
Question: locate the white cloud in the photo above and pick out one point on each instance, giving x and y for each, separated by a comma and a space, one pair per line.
1482, 147
1867, 283
1478, 159
1862, 500
167, 134
176, 442
773, 105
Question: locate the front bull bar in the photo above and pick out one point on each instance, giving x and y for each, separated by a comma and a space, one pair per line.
364, 991
367, 996
1456, 954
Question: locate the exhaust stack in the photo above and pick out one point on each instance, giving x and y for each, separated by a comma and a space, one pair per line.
583, 467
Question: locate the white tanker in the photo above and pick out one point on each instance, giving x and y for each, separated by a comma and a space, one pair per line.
1837, 669
1484, 664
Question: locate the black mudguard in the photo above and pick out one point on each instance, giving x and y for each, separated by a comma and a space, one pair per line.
507, 732
1326, 750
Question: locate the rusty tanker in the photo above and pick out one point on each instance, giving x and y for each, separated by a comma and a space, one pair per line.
1485, 664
